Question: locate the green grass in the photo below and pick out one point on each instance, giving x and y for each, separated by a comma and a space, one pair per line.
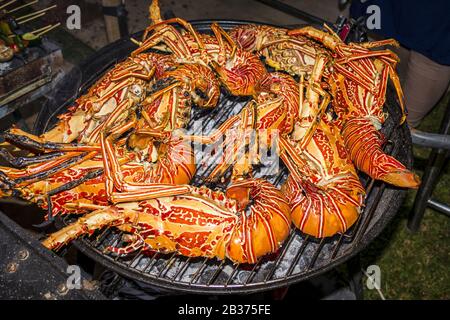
415, 266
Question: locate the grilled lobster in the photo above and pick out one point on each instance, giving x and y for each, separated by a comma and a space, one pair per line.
202, 223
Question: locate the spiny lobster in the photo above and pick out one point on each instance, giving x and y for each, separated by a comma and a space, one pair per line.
199, 223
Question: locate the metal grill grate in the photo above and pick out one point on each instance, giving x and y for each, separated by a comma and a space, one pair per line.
299, 258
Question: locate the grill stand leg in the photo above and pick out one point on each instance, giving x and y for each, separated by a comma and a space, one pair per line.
435, 164
429, 181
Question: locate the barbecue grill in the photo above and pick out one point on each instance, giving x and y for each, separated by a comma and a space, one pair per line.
301, 256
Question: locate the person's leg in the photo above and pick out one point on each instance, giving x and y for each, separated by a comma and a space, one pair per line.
402, 67
425, 83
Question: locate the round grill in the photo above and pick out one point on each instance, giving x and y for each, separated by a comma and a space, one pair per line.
299, 258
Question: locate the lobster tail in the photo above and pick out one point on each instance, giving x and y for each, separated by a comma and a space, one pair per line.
263, 225
364, 144
322, 211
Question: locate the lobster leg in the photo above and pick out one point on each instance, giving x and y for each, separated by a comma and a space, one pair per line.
134, 246
313, 109
155, 133
238, 148
317, 117
115, 114
380, 53
37, 168
298, 45
149, 191
44, 162
291, 158
75, 153
364, 68
353, 77
181, 22
398, 88
167, 34
220, 34
330, 41
242, 168
112, 90
126, 74
134, 238
59, 162
380, 43
25, 180
19, 132
130, 191
167, 93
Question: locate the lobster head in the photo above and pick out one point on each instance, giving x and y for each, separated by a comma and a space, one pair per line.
246, 36
199, 82
240, 72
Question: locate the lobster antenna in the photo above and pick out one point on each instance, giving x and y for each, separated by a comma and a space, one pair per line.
136, 42
334, 34
301, 89
155, 12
